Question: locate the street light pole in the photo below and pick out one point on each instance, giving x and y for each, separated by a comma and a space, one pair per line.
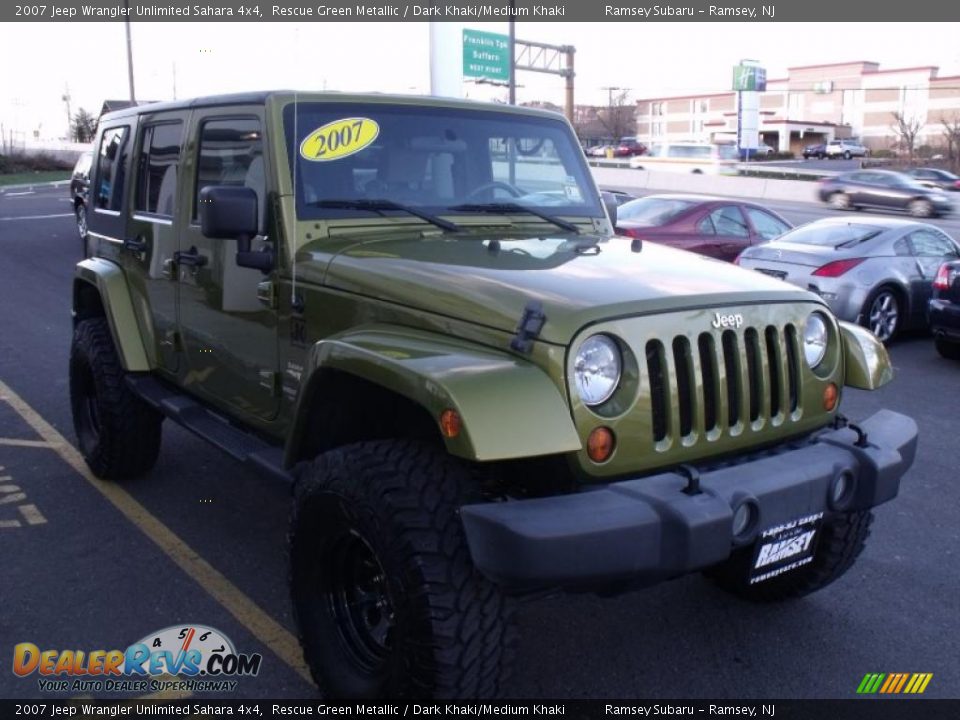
133, 95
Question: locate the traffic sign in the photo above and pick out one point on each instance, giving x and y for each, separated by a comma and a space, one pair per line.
486, 55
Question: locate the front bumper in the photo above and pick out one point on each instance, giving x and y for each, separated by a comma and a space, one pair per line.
649, 529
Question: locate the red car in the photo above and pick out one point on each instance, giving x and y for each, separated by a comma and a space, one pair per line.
718, 227
628, 147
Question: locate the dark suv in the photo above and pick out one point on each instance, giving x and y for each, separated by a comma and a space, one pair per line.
80, 194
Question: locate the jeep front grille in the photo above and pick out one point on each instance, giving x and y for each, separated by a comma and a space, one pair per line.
717, 386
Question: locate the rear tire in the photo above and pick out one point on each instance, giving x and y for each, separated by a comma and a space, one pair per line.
387, 600
118, 434
841, 542
947, 349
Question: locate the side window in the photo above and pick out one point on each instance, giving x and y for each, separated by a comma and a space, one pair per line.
705, 226
766, 225
157, 174
231, 153
901, 247
931, 244
729, 220
111, 168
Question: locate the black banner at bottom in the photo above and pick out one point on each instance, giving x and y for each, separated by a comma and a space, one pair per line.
860, 709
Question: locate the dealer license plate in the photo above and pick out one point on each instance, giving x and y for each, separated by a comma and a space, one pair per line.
785, 547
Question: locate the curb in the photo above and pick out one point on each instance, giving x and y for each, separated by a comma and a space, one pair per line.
30, 186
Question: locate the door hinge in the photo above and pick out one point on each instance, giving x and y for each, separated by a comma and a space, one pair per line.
271, 381
267, 294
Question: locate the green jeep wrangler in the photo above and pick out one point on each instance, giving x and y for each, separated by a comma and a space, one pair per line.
414, 309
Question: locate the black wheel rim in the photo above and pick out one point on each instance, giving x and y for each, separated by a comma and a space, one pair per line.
358, 600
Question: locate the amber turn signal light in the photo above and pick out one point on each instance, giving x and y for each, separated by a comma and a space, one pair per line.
830, 396
450, 423
600, 444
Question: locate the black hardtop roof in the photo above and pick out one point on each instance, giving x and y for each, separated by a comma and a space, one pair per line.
261, 97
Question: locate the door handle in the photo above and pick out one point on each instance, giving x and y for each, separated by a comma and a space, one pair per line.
190, 257
138, 244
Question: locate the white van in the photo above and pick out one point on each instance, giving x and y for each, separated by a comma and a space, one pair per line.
689, 157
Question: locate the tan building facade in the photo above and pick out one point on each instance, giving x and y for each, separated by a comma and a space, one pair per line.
814, 104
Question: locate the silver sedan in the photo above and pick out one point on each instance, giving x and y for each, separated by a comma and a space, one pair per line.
877, 272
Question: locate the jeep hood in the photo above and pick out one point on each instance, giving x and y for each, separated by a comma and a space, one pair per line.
579, 279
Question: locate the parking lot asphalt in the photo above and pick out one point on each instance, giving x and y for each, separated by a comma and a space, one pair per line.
201, 539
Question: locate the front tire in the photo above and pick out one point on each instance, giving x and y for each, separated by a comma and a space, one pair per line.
118, 434
882, 314
921, 208
841, 542
83, 230
840, 201
387, 600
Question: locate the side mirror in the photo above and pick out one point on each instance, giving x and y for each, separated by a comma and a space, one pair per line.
231, 213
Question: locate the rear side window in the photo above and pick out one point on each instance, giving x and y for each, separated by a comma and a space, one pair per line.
766, 225
724, 221
111, 168
159, 160
231, 153
930, 243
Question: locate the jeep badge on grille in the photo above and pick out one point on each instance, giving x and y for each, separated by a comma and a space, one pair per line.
726, 321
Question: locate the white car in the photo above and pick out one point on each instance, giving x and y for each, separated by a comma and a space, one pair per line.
845, 148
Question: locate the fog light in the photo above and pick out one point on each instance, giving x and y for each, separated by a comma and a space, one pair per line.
830, 396
450, 423
841, 489
600, 444
743, 519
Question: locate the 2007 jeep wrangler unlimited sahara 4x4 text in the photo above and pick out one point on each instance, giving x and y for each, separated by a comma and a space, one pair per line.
415, 310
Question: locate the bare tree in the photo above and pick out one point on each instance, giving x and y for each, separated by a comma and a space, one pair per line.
951, 133
84, 126
907, 128
619, 118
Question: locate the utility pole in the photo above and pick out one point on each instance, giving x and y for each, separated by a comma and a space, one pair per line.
513, 69
610, 94
66, 98
133, 95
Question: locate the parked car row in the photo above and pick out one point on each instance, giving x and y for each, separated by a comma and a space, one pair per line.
626, 147
887, 274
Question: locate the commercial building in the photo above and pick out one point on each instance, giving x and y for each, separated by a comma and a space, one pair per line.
816, 103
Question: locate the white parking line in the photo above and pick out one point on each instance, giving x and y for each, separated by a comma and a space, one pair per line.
37, 217
18, 194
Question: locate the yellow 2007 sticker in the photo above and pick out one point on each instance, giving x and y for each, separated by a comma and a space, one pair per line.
339, 138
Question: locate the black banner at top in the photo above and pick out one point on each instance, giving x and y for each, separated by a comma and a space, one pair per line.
613, 11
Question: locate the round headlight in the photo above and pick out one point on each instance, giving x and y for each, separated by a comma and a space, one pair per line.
815, 337
596, 369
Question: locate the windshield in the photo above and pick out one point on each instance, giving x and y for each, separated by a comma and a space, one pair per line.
434, 159
652, 211
829, 235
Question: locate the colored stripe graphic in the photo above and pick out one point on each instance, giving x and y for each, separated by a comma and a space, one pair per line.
894, 683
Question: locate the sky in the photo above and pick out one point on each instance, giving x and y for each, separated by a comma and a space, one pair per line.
188, 59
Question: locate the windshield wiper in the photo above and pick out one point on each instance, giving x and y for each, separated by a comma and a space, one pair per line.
381, 205
506, 208
857, 241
